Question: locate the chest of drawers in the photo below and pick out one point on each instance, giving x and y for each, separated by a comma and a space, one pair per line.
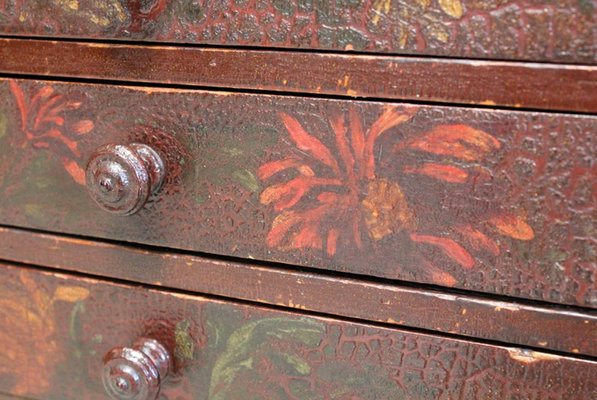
298, 199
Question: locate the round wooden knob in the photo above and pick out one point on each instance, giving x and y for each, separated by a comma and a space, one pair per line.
120, 178
136, 373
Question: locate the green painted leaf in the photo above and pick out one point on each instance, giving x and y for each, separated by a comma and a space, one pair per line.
3, 124
251, 339
247, 179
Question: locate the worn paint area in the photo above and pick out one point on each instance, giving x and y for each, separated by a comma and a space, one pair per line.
508, 29
58, 326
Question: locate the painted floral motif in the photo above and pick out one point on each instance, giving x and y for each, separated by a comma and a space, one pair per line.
44, 126
30, 349
328, 196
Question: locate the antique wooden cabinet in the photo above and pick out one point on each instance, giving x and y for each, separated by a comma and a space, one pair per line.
298, 199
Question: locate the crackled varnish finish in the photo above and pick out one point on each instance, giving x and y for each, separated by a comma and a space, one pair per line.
496, 201
505, 29
55, 326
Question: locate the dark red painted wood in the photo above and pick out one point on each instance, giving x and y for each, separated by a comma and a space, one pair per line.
58, 329
542, 326
506, 29
493, 201
510, 84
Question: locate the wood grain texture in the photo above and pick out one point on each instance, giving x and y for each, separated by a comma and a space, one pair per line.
57, 326
537, 326
493, 201
506, 29
508, 84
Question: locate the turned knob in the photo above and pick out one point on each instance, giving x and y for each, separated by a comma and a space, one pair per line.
120, 178
136, 373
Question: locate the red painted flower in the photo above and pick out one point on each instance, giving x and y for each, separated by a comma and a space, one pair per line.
44, 126
326, 195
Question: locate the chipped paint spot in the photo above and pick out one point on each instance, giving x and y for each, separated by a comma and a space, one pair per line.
296, 305
488, 103
506, 306
542, 343
463, 312
71, 294
528, 356
352, 93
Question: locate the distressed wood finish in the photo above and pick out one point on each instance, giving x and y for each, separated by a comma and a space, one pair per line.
493, 201
540, 326
509, 29
58, 326
509, 84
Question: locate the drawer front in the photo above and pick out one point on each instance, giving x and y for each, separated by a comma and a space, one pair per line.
58, 329
495, 201
519, 29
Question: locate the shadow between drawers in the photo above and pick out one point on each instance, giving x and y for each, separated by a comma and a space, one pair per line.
541, 326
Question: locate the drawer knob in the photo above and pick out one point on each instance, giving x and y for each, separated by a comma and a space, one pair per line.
135, 373
120, 178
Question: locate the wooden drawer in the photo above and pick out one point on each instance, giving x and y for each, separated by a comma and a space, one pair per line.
57, 330
509, 29
487, 200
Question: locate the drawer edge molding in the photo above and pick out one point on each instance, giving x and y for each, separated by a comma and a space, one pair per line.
525, 85
545, 326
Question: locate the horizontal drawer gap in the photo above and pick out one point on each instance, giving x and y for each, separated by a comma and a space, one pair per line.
529, 323
312, 313
512, 85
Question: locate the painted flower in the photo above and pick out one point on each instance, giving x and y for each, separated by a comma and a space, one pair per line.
43, 124
30, 345
330, 195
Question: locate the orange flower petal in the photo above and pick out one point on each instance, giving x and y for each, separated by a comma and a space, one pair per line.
391, 117
286, 195
46, 113
42, 94
308, 143
20, 99
280, 226
339, 129
74, 170
443, 278
460, 141
332, 241
327, 197
479, 240
307, 237
442, 172
357, 136
269, 169
82, 127
56, 134
513, 226
450, 247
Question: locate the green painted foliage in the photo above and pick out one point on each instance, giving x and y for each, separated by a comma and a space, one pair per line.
252, 339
